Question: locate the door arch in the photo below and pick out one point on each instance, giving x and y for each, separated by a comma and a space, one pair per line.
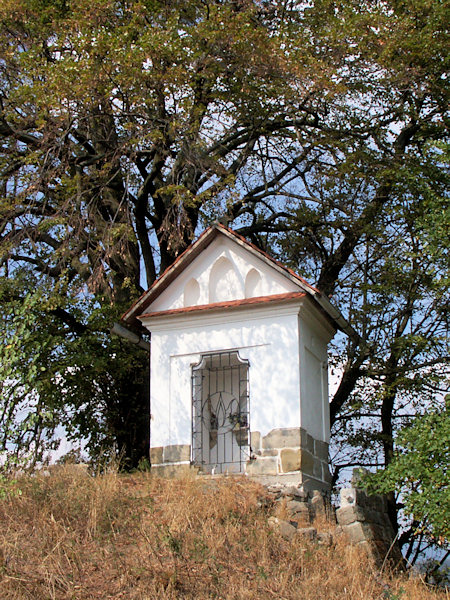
220, 413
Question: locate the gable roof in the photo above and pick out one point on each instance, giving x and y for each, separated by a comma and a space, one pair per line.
205, 239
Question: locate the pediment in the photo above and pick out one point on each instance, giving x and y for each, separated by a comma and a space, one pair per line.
219, 267
222, 272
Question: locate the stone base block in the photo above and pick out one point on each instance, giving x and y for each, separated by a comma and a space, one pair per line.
263, 466
306, 441
271, 452
326, 475
321, 450
176, 453
291, 460
288, 437
307, 463
255, 441
176, 471
358, 496
156, 455
287, 453
348, 514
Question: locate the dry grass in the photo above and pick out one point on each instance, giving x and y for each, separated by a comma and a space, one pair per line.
71, 536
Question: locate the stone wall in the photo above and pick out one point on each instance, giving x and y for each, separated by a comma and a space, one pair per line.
364, 520
290, 454
361, 518
297, 510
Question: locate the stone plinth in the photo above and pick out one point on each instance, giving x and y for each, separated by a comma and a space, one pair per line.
295, 456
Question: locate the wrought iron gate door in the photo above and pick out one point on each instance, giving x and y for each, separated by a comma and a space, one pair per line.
220, 413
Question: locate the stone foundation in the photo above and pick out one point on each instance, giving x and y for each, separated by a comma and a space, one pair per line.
172, 461
290, 454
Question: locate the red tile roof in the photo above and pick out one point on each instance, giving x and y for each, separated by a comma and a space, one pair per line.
228, 304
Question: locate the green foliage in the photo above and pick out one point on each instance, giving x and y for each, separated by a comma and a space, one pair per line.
420, 473
318, 130
8, 487
55, 381
29, 412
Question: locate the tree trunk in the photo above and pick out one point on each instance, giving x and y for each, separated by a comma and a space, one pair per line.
129, 420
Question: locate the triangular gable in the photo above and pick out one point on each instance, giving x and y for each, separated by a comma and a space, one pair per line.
165, 295
194, 250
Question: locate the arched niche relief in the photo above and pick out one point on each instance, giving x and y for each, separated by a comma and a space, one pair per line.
191, 292
224, 283
253, 284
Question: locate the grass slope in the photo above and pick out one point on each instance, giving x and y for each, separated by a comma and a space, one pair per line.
137, 537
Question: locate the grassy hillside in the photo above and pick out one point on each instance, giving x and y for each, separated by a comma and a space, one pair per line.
72, 536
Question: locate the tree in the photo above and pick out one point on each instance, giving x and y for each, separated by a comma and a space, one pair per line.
56, 376
419, 473
373, 231
123, 126
28, 416
315, 129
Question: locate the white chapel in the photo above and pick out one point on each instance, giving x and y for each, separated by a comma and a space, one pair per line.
239, 376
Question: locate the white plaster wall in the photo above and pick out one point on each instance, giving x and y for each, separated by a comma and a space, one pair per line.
313, 341
268, 341
242, 261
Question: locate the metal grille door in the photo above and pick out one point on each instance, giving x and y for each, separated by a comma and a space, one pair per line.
220, 413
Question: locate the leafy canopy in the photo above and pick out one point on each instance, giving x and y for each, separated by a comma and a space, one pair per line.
318, 130
420, 472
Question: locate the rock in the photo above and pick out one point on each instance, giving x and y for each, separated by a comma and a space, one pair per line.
307, 533
274, 491
348, 497
290, 491
325, 539
265, 502
339, 531
286, 530
301, 495
298, 509
275, 487
318, 504
349, 514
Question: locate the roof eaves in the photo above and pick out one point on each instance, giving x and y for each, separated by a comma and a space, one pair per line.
336, 316
230, 304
